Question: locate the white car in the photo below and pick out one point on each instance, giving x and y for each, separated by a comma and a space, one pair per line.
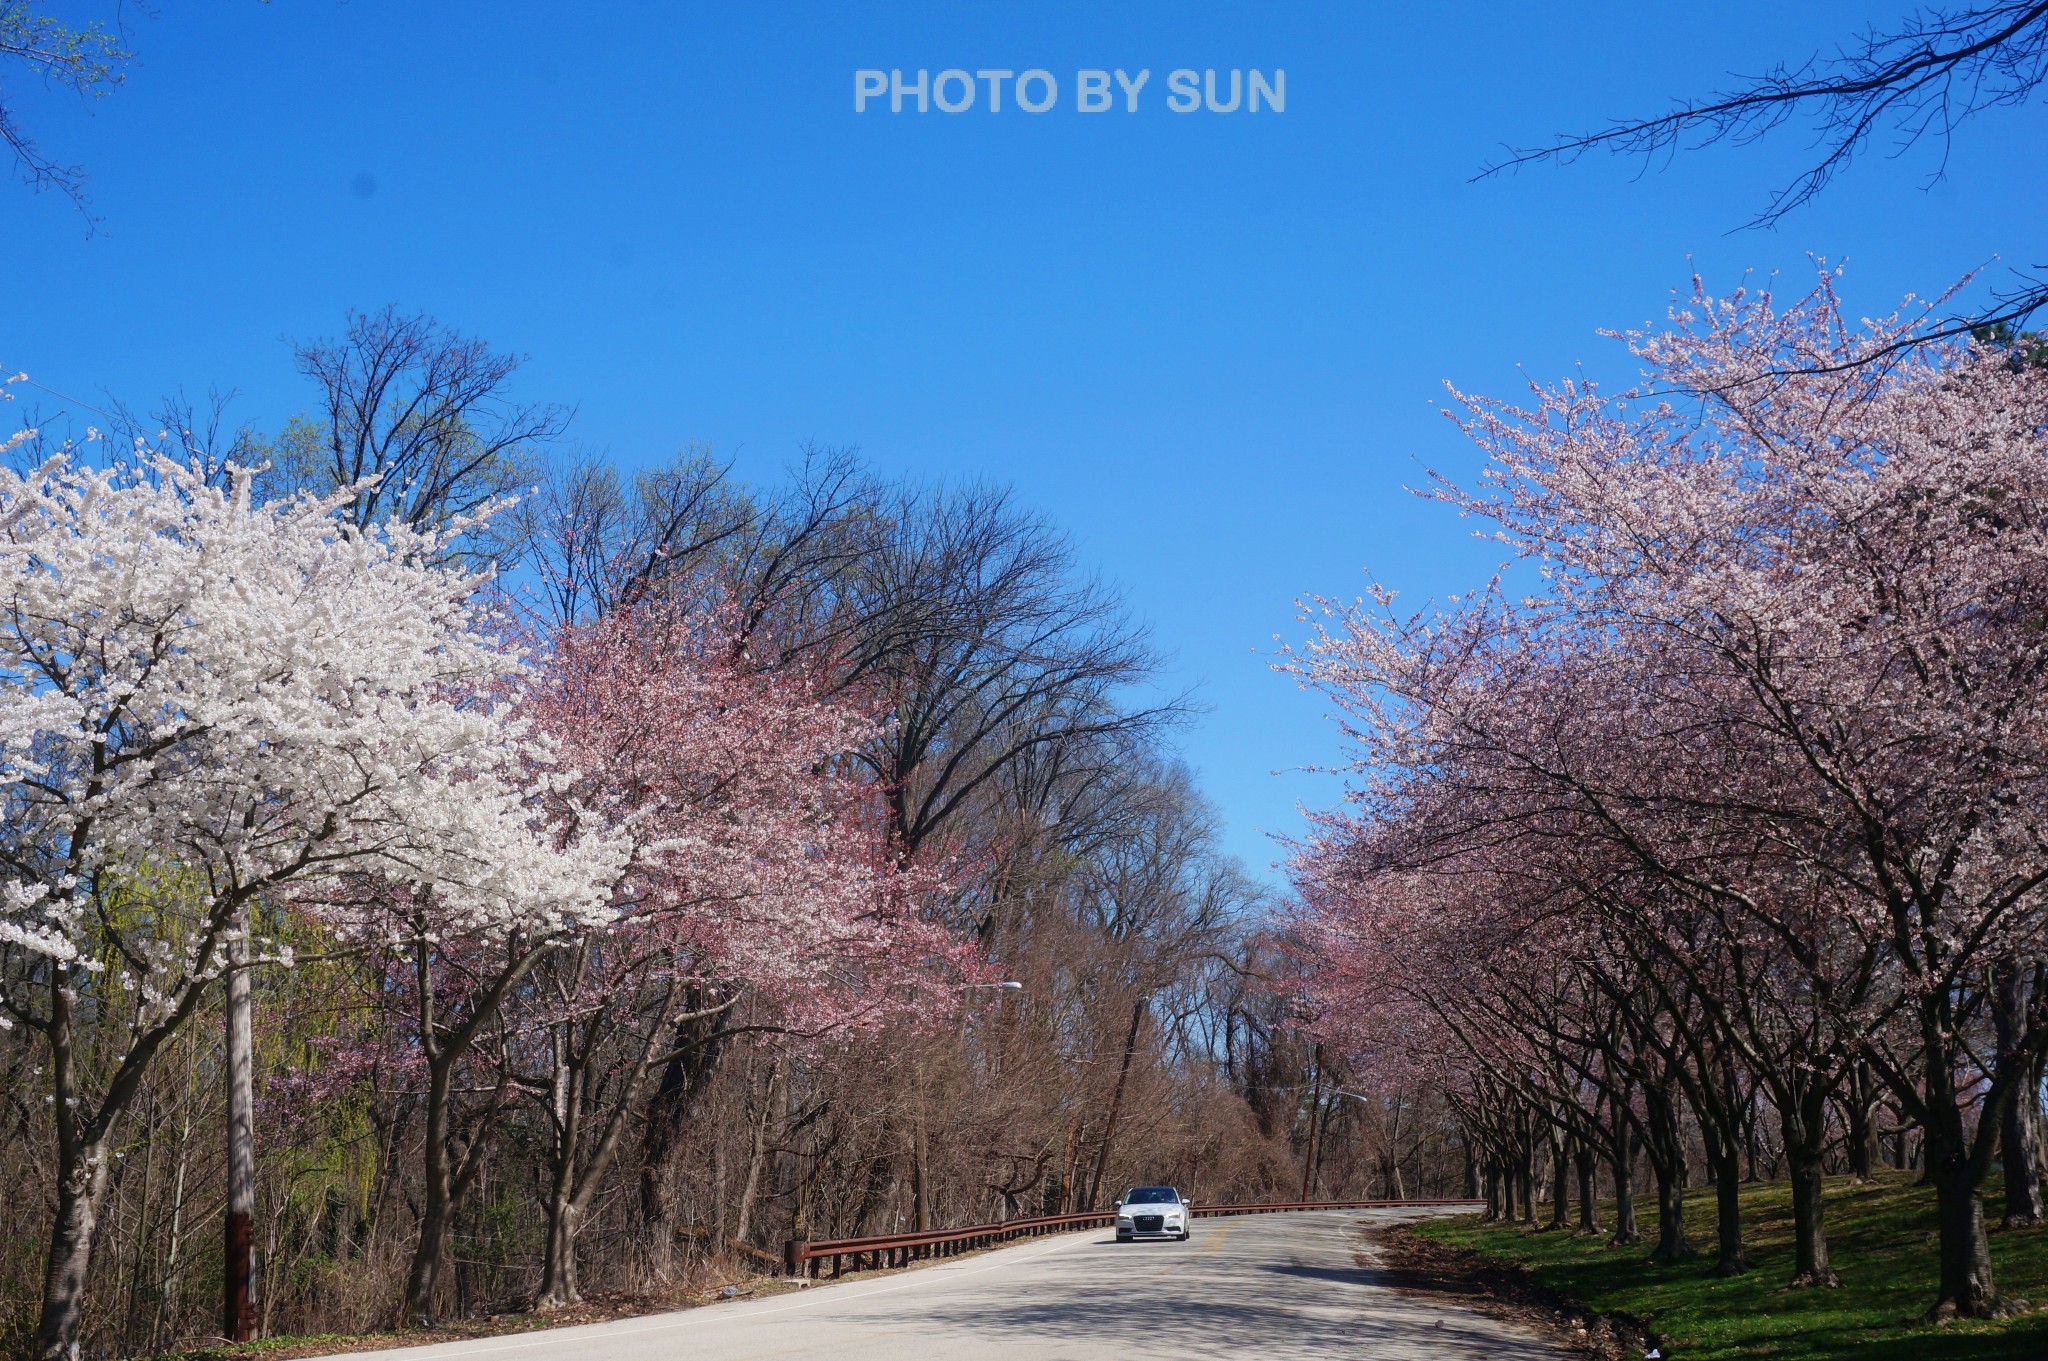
1152, 1212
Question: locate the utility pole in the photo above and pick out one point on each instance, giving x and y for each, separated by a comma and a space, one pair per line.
238, 1318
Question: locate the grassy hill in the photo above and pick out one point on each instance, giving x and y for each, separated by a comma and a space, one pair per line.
1881, 1238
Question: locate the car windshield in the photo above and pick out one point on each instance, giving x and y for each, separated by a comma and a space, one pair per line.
1151, 1195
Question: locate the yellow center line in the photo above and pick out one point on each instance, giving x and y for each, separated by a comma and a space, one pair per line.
812, 1348
1208, 1248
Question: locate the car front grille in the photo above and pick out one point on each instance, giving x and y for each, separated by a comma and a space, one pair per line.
1148, 1223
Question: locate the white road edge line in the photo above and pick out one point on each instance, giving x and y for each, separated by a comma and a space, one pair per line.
705, 1313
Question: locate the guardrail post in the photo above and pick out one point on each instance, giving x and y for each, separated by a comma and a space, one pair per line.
793, 1256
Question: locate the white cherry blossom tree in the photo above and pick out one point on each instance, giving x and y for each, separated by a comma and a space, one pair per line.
203, 702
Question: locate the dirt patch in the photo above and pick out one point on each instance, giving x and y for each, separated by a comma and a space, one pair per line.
514, 1317
596, 1309
1426, 1269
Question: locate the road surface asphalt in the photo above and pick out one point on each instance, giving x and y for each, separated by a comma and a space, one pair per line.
1273, 1287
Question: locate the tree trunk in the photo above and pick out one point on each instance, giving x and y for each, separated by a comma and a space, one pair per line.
1626, 1232
1967, 1290
920, 1168
83, 1165
238, 1308
558, 1259
757, 1157
425, 1273
1860, 1108
699, 1045
1070, 1164
168, 1279
1809, 1229
578, 1170
1672, 1244
1667, 1161
81, 1192
2019, 1134
444, 1041
1588, 1160
1560, 1182
558, 1284
2020, 1145
1957, 1163
1802, 1124
1315, 1111
85, 1144
1116, 1100
1724, 1161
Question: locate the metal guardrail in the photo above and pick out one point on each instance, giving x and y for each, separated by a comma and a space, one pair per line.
805, 1257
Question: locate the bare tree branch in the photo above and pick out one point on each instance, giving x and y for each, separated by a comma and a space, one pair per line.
1925, 79
89, 61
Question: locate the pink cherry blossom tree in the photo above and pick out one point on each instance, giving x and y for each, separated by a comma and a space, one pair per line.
1790, 587
763, 873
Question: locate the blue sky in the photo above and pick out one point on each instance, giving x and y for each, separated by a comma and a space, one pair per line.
1211, 346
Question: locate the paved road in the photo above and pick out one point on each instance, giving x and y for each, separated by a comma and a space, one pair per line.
1281, 1287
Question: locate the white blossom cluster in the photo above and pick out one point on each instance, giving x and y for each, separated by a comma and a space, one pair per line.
245, 696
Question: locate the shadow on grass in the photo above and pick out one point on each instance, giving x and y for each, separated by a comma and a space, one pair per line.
1882, 1240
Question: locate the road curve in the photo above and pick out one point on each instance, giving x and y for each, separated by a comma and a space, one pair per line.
1275, 1287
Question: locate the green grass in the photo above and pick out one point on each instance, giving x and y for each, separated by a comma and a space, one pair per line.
1881, 1239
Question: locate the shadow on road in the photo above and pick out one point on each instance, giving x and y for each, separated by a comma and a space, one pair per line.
1345, 1275
1336, 1312
1207, 1328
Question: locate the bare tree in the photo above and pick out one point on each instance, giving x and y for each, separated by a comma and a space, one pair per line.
595, 539
423, 412
993, 649
1925, 78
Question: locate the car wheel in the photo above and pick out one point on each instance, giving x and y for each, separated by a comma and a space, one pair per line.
1186, 1234
1123, 1238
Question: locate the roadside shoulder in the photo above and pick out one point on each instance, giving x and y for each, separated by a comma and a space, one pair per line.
1424, 1268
